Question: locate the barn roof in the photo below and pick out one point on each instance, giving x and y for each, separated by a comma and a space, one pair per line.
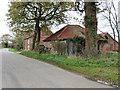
69, 31
107, 34
44, 35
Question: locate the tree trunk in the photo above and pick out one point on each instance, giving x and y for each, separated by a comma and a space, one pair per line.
35, 34
91, 29
38, 35
34, 39
114, 39
38, 39
119, 43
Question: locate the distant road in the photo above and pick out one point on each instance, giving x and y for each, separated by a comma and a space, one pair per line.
22, 72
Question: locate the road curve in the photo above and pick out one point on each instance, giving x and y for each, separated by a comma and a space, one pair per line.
22, 72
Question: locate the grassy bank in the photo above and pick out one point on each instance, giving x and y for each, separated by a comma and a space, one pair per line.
104, 67
13, 50
1, 47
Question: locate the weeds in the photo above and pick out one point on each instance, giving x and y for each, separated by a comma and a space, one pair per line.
13, 50
104, 66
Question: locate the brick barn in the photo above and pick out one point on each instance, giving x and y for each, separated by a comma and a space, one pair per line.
108, 44
29, 40
105, 43
64, 34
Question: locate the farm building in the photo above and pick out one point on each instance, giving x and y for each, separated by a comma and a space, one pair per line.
105, 43
65, 45
29, 40
108, 44
63, 41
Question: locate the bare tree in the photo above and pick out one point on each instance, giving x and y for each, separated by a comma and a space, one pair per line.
111, 15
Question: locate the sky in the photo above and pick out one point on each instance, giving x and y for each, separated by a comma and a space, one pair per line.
4, 29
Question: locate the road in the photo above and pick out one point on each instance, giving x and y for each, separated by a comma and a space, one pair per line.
22, 72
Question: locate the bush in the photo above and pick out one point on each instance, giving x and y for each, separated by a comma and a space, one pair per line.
60, 47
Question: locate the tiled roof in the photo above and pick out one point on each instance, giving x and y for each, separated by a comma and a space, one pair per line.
106, 34
43, 35
66, 32
70, 31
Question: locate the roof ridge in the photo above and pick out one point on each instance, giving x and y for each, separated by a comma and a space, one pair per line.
62, 31
112, 37
56, 32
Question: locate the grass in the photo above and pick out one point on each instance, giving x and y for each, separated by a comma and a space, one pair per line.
104, 67
13, 50
1, 47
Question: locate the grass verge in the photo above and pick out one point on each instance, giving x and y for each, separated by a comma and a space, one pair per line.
1, 46
103, 67
13, 50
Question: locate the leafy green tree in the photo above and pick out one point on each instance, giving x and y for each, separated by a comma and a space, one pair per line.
6, 39
18, 41
37, 14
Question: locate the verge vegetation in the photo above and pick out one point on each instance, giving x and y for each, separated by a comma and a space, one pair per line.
104, 67
13, 50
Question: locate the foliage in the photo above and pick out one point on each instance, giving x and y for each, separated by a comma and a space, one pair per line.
26, 15
79, 43
63, 47
104, 67
91, 9
44, 50
18, 40
13, 50
60, 47
5, 40
1, 46
77, 39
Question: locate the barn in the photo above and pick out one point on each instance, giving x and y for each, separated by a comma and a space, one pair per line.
29, 40
105, 43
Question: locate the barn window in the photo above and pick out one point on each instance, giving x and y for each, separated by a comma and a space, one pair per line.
111, 47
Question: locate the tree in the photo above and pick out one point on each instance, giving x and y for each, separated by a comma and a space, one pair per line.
90, 20
18, 41
119, 43
38, 13
6, 39
91, 28
111, 15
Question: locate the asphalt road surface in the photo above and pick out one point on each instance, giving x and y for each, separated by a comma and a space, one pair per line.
22, 72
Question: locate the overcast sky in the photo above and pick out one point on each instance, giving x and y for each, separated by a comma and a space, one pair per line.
3, 10
4, 29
